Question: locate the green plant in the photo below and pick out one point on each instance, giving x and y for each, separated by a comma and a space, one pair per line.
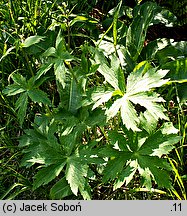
97, 115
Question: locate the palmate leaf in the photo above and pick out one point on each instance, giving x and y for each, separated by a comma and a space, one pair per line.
19, 86
43, 70
161, 145
141, 79
64, 155
126, 175
57, 55
142, 152
115, 166
138, 91
41, 144
27, 89
40, 152
100, 96
148, 117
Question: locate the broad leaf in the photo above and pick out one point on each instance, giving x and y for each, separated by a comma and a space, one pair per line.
178, 70
166, 137
42, 144
149, 52
75, 96
60, 45
75, 175
43, 70
115, 166
166, 17
39, 96
19, 79
148, 117
126, 175
47, 174
13, 89
109, 73
136, 34
100, 96
60, 72
21, 106
138, 91
60, 190
143, 152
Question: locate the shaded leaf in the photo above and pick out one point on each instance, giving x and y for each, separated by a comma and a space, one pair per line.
136, 34
142, 152
21, 106
126, 175
115, 166
47, 174
75, 96
161, 142
43, 70
60, 44
39, 96
61, 189
19, 79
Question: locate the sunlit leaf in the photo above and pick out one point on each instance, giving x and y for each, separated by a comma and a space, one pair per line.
138, 91
13, 90
32, 40
60, 72
101, 97
75, 174
109, 73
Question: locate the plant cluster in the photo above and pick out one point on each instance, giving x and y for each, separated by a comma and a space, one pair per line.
91, 103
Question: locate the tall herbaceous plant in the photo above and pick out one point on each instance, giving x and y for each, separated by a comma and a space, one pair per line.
91, 100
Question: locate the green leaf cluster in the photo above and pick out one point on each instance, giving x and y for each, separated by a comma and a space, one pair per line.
99, 111
142, 152
27, 90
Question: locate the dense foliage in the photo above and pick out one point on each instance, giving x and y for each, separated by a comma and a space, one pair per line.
90, 107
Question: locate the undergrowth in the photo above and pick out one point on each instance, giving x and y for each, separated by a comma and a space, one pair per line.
88, 109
